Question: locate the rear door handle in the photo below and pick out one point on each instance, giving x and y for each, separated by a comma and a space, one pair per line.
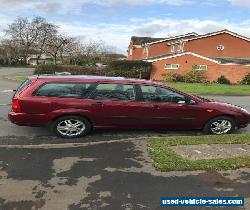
97, 104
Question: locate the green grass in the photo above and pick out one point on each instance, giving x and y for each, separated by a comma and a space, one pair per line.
17, 78
211, 89
165, 159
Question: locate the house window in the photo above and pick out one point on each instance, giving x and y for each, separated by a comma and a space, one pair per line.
177, 48
172, 66
220, 47
173, 49
200, 67
130, 52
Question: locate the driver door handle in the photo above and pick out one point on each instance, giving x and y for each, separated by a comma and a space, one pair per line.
156, 107
97, 104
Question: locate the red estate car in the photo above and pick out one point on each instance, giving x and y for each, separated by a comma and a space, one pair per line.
74, 105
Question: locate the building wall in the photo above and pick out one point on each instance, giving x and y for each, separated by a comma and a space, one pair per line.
137, 53
235, 73
159, 49
234, 47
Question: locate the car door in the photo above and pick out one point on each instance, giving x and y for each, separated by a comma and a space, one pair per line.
170, 109
116, 105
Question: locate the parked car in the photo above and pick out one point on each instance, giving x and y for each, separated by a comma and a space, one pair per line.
74, 105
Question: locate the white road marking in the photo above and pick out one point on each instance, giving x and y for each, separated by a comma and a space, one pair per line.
4, 104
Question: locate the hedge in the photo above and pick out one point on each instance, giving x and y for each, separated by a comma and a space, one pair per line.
130, 69
172, 77
74, 70
223, 80
246, 80
194, 76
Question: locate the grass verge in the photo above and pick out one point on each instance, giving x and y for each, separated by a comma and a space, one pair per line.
17, 78
165, 159
211, 89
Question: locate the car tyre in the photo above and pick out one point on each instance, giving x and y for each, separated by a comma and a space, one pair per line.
71, 127
220, 126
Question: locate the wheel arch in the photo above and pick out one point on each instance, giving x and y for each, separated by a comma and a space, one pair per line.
71, 114
221, 115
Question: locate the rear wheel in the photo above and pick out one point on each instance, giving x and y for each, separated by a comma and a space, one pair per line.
71, 127
220, 125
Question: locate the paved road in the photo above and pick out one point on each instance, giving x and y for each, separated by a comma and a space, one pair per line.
108, 176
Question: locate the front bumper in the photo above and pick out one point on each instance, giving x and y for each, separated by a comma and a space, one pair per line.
244, 121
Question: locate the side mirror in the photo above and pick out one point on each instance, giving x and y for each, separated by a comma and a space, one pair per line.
181, 102
192, 102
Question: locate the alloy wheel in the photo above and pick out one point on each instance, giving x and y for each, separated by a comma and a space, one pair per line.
71, 127
220, 127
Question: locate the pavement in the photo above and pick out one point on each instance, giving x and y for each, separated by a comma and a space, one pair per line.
107, 170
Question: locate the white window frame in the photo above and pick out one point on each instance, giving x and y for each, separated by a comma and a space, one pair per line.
172, 66
130, 52
220, 47
177, 48
172, 48
200, 67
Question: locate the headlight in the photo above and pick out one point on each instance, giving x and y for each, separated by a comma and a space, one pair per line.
244, 110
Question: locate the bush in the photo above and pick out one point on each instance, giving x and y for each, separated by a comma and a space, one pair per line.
246, 80
74, 70
172, 77
223, 80
130, 69
194, 76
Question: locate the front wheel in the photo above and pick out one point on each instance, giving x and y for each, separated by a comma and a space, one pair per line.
220, 125
71, 127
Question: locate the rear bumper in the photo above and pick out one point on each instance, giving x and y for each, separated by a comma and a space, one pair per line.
24, 119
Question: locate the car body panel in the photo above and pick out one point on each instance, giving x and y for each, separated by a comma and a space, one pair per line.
41, 110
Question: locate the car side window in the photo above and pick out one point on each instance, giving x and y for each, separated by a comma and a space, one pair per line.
159, 94
64, 90
114, 92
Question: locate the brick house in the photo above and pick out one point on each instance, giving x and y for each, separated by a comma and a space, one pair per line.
219, 53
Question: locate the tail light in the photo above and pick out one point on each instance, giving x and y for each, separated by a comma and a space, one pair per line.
16, 105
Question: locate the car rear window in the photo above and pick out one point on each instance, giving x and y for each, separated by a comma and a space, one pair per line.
65, 90
24, 85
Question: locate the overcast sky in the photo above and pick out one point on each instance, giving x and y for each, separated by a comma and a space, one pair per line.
116, 21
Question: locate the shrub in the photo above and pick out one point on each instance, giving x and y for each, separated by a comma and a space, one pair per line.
246, 80
223, 80
194, 76
172, 77
130, 69
74, 70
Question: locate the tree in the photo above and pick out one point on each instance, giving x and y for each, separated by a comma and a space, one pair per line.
38, 37
30, 36
9, 52
46, 31
56, 45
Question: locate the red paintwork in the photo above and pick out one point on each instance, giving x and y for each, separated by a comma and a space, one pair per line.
40, 110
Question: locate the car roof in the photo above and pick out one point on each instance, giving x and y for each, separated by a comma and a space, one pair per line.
91, 78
